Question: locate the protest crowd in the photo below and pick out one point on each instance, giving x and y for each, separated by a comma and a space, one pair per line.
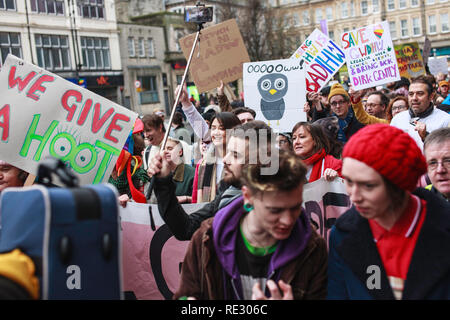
251, 235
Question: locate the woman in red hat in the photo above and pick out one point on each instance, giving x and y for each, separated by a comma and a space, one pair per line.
310, 143
393, 243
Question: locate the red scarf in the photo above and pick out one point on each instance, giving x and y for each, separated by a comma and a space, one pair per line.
316, 161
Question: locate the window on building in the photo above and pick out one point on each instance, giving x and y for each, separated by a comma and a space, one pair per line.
404, 27
376, 6
402, 4
432, 24
52, 52
9, 43
48, 6
430, 1
7, 5
295, 19
141, 47
393, 29
329, 12
414, 3
318, 15
352, 8
344, 10
416, 26
149, 93
95, 53
364, 7
331, 35
444, 22
306, 20
131, 47
93, 9
151, 47
391, 4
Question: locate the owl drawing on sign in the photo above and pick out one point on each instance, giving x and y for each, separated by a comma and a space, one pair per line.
273, 88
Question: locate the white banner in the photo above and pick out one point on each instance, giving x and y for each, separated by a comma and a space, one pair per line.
370, 56
42, 114
275, 89
322, 58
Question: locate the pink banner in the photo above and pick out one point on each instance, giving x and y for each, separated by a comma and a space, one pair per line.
152, 257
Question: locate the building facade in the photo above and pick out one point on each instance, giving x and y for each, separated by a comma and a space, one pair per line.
409, 20
76, 40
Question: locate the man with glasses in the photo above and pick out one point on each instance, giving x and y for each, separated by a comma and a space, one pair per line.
340, 107
437, 155
376, 105
422, 117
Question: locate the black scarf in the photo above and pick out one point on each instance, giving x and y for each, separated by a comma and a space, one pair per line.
424, 114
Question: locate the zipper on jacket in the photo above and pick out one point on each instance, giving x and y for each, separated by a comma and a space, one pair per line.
235, 290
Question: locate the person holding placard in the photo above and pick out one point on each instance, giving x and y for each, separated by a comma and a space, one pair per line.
340, 107
311, 144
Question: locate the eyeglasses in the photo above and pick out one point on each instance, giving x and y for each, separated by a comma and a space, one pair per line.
398, 108
433, 164
335, 103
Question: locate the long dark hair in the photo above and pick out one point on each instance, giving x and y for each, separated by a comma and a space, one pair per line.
318, 134
227, 120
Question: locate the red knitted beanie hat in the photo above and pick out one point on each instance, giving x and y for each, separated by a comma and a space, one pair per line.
390, 151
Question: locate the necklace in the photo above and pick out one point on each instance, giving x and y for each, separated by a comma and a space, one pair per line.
257, 251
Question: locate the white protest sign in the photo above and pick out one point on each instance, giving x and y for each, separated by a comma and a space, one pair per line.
275, 89
370, 56
42, 114
437, 65
322, 58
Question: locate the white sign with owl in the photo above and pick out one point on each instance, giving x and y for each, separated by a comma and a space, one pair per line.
275, 89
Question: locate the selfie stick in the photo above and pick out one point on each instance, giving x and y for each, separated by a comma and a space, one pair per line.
166, 135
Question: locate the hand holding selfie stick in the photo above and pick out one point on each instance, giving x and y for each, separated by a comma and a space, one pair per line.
166, 135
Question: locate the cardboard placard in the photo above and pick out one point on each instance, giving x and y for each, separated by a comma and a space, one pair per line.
321, 57
222, 53
42, 114
370, 56
409, 60
275, 89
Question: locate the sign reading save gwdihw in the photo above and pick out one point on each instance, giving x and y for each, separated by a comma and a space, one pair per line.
370, 56
42, 114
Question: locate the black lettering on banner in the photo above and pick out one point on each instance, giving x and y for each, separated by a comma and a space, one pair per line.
329, 199
248, 69
279, 69
156, 245
265, 68
256, 67
270, 69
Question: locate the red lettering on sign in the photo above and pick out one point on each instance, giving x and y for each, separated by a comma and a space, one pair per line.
37, 87
73, 107
4, 113
12, 81
114, 126
97, 122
